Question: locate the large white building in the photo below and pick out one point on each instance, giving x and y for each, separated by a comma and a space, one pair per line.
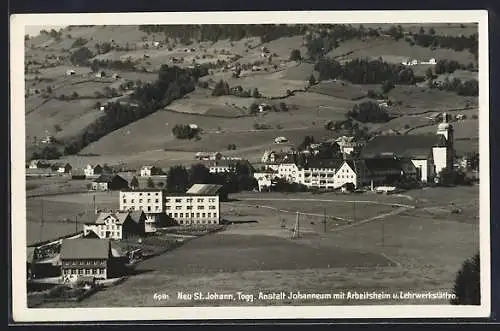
117, 225
199, 205
265, 180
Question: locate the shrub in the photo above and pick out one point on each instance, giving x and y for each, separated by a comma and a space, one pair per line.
467, 283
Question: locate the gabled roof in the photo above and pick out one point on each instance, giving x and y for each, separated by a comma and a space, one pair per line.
136, 215
85, 249
120, 216
204, 189
404, 146
107, 178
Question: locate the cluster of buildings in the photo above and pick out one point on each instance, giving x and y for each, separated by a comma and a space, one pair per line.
382, 160
414, 62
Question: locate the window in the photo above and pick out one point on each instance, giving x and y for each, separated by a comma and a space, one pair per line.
132, 201
178, 200
149, 208
157, 208
178, 207
124, 200
192, 214
140, 200
149, 193
200, 199
175, 214
209, 214
96, 271
81, 271
189, 207
157, 200
102, 270
215, 214
203, 215
181, 215
201, 207
140, 193
189, 200
156, 193
197, 214
167, 207
170, 214
149, 200
167, 200
211, 207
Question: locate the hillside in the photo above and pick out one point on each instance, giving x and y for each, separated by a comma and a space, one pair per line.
64, 96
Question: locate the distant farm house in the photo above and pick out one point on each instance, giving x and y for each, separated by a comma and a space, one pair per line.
193, 126
70, 72
100, 74
280, 140
410, 62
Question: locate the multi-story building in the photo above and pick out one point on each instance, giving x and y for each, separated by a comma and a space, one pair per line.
148, 200
199, 205
85, 257
289, 172
319, 173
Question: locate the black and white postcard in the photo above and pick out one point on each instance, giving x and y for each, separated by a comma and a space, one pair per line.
250, 165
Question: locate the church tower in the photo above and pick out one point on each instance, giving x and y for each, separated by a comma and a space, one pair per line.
446, 153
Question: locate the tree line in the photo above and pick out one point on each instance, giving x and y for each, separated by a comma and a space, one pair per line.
172, 83
179, 179
215, 32
364, 71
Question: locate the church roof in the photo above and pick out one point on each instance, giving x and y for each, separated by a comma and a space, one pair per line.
403, 146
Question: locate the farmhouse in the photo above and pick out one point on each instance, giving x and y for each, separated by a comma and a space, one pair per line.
430, 154
66, 169
221, 166
265, 179
70, 72
348, 145
269, 157
85, 257
108, 182
148, 171
92, 170
280, 140
199, 205
119, 225
34, 164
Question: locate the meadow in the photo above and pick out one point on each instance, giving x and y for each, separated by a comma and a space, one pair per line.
386, 254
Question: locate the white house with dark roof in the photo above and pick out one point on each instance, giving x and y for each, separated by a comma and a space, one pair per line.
85, 257
119, 225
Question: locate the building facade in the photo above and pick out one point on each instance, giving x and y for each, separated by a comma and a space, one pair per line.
85, 257
117, 226
189, 209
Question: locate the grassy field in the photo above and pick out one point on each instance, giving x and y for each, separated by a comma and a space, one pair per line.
385, 254
396, 51
63, 214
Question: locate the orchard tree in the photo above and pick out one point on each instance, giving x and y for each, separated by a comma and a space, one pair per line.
467, 283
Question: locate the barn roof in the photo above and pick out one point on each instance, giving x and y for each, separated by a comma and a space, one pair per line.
325, 163
107, 178
85, 249
204, 189
404, 146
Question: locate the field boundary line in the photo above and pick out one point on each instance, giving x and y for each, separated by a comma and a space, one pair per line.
329, 200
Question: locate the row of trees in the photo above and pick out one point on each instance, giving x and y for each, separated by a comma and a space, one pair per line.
184, 131
47, 153
456, 43
215, 32
179, 179
172, 83
331, 36
127, 65
364, 71
468, 88
368, 112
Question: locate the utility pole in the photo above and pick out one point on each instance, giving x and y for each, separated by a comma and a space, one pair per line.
41, 221
324, 221
383, 233
296, 229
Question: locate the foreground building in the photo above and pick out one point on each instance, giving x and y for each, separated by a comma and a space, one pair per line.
117, 226
85, 257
